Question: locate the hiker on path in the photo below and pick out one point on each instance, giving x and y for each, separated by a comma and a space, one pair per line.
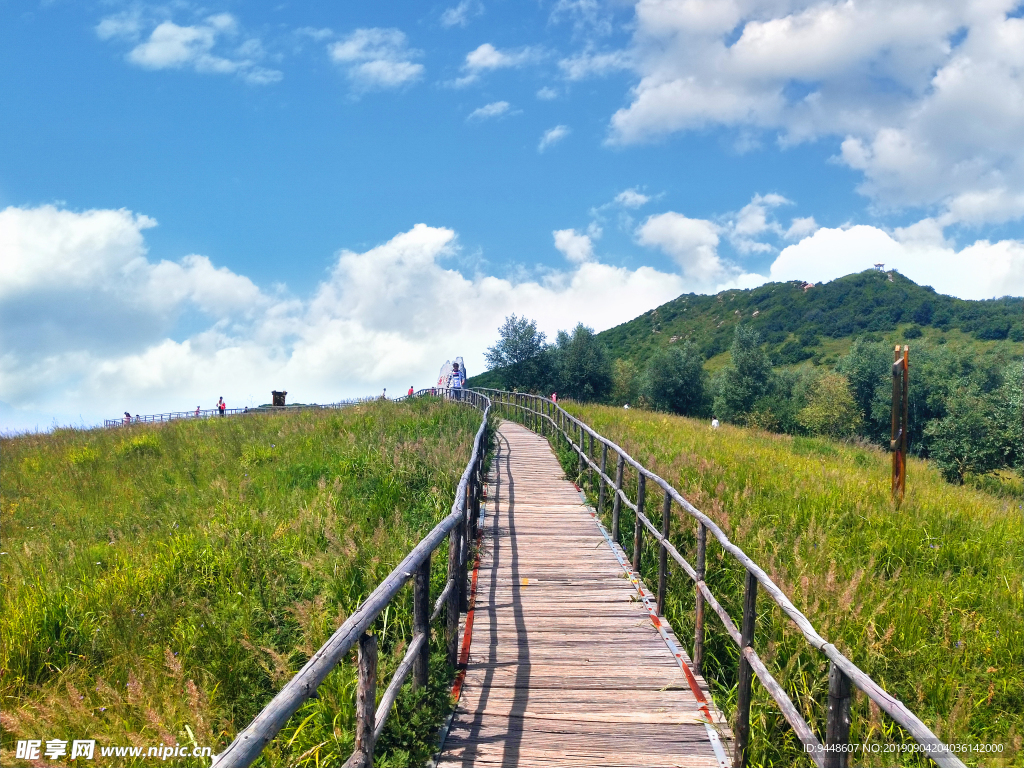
127, 417
456, 382
197, 411
221, 405
554, 397
410, 390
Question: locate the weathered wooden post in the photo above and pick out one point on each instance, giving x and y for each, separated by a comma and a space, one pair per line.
698, 618
452, 608
746, 674
617, 501
900, 424
582, 447
590, 455
837, 723
604, 471
366, 701
638, 531
666, 527
421, 622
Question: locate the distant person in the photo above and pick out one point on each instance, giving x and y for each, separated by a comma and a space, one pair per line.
714, 423
221, 405
197, 411
554, 397
384, 395
626, 406
410, 391
127, 417
456, 382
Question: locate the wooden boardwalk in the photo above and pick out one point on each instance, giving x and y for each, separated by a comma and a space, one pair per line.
566, 665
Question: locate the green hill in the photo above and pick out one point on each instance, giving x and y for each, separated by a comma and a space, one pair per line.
799, 324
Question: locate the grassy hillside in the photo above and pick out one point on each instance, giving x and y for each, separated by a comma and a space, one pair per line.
927, 598
161, 583
800, 324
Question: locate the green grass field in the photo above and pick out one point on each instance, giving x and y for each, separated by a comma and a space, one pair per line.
927, 598
161, 583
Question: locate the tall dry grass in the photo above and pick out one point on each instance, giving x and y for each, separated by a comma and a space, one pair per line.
926, 598
160, 583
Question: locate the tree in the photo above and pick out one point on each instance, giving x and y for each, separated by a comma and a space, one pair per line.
626, 380
675, 380
831, 409
1009, 417
868, 368
965, 440
517, 353
745, 379
584, 371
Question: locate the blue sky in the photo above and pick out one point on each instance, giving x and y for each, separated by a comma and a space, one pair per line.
203, 200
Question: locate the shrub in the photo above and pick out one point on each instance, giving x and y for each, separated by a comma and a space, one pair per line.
831, 409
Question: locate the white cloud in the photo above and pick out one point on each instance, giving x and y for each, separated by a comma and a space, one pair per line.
459, 15
103, 325
800, 228
576, 247
979, 271
377, 58
494, 109
589, 64
692, 244
487, 58
553, 136
171, 46
926, 98
547, 94
630, 198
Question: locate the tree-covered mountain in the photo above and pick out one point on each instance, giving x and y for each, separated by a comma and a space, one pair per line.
794, 319
805, 359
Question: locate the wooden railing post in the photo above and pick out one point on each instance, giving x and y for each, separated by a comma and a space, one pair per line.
582, 447
666, 527
366, 701
452, 609
590, 455
463, 567
604, 471
421, 622
698, 618
746, 674
638, 530
837, 723
617, 501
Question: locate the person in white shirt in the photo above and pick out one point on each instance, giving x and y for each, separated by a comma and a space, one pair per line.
714, 423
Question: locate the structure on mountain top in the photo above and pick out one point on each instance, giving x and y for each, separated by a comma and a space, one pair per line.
278, 397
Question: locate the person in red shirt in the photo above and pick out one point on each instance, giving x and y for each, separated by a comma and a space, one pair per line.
410, 390
221, 405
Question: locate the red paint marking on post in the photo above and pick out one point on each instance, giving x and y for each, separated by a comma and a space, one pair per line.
467, 635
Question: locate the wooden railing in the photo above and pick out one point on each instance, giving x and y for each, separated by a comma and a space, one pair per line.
156, 418
459, 528
544, 416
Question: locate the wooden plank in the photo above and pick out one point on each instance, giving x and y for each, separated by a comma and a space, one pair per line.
565, 667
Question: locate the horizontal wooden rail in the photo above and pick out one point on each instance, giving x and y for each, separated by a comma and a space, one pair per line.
157, 418
456, 527
533, 411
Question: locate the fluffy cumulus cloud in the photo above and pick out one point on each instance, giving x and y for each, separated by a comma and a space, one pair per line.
377, 59
925, 99
213, 45
88, 323
575, 246
981, 270
460, 15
